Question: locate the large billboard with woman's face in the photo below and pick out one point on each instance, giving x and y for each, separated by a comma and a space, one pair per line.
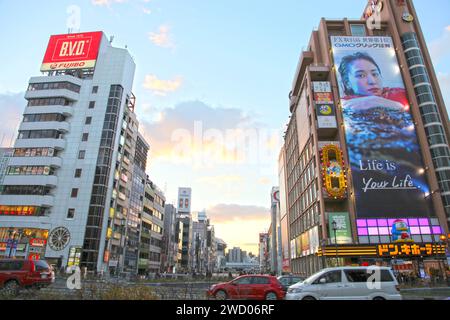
386, 163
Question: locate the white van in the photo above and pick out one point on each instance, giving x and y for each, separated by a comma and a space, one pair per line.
347, 283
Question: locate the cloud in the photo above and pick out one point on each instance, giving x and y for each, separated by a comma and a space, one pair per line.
146, 10
106, 2
264, 181
162, 38
440, 48
219, 181
12, 106
161, 87
197, 134
230, 213
444, 83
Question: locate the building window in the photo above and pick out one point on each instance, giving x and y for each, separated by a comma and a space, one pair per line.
78, 173
91, 105
88, 120
74, 193
70, 213
85, 137
94, 89
81, 154
40, 134
358, 30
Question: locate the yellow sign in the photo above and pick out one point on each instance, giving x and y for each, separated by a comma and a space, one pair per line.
385, 250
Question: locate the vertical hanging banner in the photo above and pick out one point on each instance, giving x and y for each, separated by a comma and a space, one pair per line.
384, 154
343, 228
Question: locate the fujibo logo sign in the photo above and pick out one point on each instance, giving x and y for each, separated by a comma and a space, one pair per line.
68, 65
72, 51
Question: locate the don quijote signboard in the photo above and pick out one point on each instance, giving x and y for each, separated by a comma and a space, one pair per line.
72, 51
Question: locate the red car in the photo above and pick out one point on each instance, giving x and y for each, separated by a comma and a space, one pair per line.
15, 274
254, 287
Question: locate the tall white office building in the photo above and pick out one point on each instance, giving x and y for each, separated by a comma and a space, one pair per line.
67, 186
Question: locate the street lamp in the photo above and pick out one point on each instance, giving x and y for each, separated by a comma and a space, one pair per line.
335, 240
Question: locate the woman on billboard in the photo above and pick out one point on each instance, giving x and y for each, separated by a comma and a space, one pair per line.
363, 85
381, 139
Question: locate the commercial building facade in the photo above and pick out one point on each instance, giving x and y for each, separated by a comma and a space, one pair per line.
70, 176
263, 248
170, 245
184, 216
151, 242
366, 163
136, 209
275, 250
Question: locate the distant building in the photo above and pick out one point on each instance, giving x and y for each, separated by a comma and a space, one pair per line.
169, 260
264, 252
185, 217
220, 254
151, 245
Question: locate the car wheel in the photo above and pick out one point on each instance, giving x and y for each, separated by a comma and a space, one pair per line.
309, 298
221, 295
379, 299
11, 288
271, 296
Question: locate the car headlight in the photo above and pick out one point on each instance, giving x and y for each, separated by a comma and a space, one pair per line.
294, 290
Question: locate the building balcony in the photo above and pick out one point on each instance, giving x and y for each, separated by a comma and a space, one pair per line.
53, 93
319, 72
30, 200
64, 110
115, 242
50, 125
59, 144
305, 60
145, 234
55, 162
41, 180
326, 127
62, 78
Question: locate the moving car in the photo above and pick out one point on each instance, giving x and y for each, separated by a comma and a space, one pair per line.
289, 280
16, 274
254, 287
347, 283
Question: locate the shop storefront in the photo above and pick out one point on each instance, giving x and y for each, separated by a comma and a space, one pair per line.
421, 260
23, 243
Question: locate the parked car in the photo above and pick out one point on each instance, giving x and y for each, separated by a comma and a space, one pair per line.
347, 283
289, 280
16, 274
254, 287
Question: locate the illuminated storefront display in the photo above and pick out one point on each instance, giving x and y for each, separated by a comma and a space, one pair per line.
74, 256
30, 170
23, 242
333, 171
384, 154
21, 211
34, 152
420, 228
391, 250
